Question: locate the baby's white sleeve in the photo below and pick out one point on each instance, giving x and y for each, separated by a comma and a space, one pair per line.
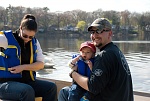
40, 56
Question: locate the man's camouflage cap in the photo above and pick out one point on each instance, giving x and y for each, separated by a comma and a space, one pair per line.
101, 23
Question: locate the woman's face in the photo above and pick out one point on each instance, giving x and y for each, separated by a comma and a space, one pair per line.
27, 35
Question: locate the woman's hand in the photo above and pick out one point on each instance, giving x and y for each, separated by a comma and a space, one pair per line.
17, 69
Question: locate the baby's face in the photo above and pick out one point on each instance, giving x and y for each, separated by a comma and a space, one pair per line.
86, 53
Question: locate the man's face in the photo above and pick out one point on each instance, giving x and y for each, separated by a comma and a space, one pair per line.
100, 37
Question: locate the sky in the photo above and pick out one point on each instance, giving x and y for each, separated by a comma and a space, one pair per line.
139, 6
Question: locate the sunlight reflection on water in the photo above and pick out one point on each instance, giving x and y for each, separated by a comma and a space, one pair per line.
139, 66
137, 54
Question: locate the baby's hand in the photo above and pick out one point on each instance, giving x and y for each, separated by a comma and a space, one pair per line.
78, 57
74, 60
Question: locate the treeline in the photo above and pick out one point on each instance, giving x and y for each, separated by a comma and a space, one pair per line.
75, 20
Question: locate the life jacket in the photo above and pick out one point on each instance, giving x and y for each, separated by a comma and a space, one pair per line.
11, 56
82, 67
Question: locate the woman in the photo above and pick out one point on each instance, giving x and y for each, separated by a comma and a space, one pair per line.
22, 56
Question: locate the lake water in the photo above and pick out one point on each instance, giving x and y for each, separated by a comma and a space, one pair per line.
60, 50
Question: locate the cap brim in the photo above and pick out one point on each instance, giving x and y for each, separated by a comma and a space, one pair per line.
88, 47
93, 25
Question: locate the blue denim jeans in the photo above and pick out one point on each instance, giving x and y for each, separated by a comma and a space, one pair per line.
72, 93
17, 91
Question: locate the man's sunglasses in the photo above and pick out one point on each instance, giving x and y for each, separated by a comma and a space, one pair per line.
98, 31
26, 36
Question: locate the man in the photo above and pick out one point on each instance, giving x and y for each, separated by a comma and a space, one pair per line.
110, 78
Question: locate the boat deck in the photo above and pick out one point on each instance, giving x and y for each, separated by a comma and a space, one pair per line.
138, 96
141, 98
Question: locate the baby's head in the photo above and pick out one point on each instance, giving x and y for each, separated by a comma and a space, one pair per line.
87, 50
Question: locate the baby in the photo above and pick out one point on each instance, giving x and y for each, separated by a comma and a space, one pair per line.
83, 64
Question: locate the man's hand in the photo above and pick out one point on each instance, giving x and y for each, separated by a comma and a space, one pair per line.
70, 74
89, 64
73, 69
